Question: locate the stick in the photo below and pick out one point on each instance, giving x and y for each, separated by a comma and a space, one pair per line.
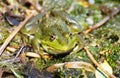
95, 62
11, 36
99, 24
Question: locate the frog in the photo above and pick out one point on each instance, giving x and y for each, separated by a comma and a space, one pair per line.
56, 35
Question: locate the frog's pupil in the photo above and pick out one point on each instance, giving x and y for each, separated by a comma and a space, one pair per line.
70, 34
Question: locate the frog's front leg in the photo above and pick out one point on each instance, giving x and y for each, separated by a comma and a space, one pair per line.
36, 47
80, 43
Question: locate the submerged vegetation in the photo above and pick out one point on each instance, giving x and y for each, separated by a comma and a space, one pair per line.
59, 39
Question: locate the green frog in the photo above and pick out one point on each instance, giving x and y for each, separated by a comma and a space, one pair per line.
57, 34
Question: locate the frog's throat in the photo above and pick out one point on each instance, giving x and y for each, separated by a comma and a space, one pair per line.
61, 52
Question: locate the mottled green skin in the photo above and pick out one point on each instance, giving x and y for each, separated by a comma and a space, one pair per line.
57, 34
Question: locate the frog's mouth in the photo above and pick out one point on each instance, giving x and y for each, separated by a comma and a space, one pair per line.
57, 49
56, 52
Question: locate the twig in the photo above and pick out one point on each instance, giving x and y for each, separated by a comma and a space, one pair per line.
75, 65
13, 60
11, 36
99, 24
19, 52
95, 62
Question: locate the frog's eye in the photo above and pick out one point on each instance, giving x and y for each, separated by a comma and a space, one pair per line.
52, 37
70, 34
